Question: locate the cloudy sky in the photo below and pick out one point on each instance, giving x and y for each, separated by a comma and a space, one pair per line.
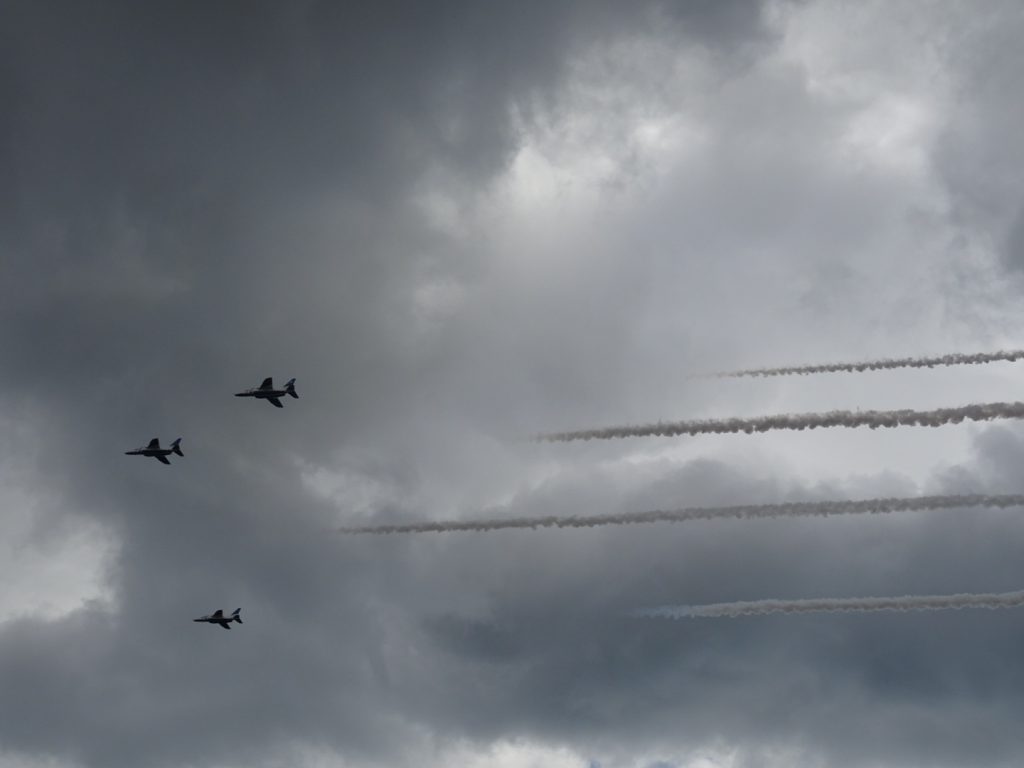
460, 224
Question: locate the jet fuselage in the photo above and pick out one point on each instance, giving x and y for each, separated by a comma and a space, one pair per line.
267, 391
264, 394
218, 617
153, 450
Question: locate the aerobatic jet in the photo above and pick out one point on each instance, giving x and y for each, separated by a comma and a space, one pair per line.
218, 617
158, 453
266, 391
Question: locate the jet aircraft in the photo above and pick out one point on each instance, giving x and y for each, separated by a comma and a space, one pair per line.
218, 617
266, 391
158, 453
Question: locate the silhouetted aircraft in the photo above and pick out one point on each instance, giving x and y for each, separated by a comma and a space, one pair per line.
218, 617
158, 453
266, 391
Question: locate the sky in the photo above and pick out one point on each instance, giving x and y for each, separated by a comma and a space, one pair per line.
460, 224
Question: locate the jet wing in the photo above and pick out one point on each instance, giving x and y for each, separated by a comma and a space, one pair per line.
162, 459
275, 401
154, 443
218, 614
224, 624
268, 383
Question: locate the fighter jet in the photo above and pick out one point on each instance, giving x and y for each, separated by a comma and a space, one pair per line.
158, 453
217, 617
266, 391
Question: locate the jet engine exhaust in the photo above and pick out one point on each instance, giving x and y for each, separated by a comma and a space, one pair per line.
796, 421
883, 364
686, 514
990, 600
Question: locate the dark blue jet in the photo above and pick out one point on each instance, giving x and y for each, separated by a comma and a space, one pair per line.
266, 391
218, 617
158, 453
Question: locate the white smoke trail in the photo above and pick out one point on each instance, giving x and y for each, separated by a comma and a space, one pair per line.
797, 421
980, 358
836, 605
746, 512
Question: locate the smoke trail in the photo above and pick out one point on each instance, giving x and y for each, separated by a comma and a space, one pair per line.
798, 421
835, 605
884, 364
746, 512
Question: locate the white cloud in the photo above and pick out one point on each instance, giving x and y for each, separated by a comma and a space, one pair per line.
51, 563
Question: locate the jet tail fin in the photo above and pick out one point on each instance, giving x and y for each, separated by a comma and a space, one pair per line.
176, 447
236, 615
289, 387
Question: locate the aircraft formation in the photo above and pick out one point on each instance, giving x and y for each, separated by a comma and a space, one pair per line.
873, 419
265, 391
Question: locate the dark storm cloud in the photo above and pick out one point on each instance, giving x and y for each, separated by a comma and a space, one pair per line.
202, 196
199, 196
579, 669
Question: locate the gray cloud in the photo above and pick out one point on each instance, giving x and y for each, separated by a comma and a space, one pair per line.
375, 201
979, 142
